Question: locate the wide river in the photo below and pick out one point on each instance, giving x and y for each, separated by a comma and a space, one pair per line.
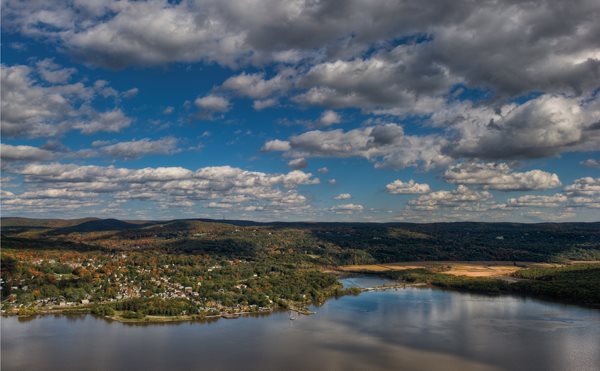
405, 329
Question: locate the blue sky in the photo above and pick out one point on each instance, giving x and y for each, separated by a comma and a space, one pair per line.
300, 111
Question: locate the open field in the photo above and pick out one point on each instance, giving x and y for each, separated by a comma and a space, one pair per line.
455, 268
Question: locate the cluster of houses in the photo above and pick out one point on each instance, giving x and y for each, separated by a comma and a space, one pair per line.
129, 281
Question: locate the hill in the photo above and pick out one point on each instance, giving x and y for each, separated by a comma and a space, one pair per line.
330, 243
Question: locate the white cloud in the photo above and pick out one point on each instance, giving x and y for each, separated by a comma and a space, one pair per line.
457, 198
213, 103
140, 148
276, 145
57, 193
587, 186
537, 201
31, 108
583, 193
265, 103
590, 162
329, 118
256, 87
386, 145
54, 73
389, 81
544, 126
500, 176
219, 205
110, 121
130, 93
298, 163
347, 208
217, 185
24, 153
411, 187
343, 196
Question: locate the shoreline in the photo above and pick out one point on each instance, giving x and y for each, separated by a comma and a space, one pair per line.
499, 285
87, 309
152, 319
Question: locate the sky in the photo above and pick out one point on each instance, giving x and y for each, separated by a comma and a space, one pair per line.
371, 111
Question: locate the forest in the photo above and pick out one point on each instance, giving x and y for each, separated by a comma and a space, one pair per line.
571, 283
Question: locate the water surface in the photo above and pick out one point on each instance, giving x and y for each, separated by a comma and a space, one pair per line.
405, 329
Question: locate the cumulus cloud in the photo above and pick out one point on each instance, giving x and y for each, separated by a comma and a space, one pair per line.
219, 205
11, 153
130, 93
544, 126
323, 170
124, 150
329, 118
343, 196
218, 185
386, 145
500, 176
213, 103
56, 193
139, 148
545, 46
537, 73
398, 187
388, 82
255, 85
298, 163
276, 145
587, 186
111, 121
54, 73
584, 192
31, 108
265, 103
347, 208
590, 162
460, 197
537, 201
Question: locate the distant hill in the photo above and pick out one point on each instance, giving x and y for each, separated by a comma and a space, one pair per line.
42, 223
347, 243
99, 225
185, 223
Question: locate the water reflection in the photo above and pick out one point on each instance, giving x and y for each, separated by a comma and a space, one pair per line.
409, 329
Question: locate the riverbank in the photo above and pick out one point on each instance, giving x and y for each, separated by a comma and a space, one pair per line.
400, 328
575, 284
106, 310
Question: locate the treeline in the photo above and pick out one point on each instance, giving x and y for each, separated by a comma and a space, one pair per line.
330, 243
578, 284
156, 306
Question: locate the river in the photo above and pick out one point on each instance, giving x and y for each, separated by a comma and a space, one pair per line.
404, 329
